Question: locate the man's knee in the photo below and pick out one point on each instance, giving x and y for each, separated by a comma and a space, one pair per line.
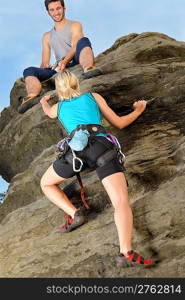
31, 71
84, 42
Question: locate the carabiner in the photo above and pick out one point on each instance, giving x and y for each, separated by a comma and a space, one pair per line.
81, 164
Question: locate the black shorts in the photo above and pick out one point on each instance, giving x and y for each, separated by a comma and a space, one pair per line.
89, 156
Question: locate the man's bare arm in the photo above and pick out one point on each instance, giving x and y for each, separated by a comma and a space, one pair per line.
46, 51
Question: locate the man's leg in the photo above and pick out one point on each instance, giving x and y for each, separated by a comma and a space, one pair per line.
85, 57
33, 86
33, 77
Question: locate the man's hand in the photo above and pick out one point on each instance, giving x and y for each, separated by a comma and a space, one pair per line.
140, 106
45, 98
61, 66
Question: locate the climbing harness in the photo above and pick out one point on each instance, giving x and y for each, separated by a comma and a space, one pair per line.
78, 140
115, 141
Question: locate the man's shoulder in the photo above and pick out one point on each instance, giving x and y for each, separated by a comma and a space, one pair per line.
47, 34
75, 23
76, 26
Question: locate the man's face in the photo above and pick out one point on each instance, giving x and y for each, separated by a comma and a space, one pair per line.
56, 11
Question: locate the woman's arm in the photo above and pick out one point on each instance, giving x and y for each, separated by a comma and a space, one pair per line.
113, 118
50, 111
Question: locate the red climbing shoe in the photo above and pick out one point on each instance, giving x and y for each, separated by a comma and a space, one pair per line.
71, 223
133, 259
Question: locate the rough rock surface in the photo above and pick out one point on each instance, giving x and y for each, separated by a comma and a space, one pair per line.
147, 66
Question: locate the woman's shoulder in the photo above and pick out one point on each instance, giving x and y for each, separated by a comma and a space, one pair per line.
91, 94
95, 94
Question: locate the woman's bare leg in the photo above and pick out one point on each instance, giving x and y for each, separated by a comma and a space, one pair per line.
116, 187
49, 182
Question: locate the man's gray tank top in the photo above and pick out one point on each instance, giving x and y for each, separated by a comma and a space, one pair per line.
60, 41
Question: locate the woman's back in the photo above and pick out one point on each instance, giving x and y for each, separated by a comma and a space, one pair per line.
78, 110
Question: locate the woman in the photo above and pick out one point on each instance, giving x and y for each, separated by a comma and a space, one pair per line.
73, 109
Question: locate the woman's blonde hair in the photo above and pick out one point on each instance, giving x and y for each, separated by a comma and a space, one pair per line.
67, 85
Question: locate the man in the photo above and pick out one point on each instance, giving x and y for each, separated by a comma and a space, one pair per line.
70, 47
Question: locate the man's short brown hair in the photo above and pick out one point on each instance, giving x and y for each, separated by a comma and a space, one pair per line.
47, 2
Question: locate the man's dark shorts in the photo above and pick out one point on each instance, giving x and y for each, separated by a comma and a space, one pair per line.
44, 74
89, 156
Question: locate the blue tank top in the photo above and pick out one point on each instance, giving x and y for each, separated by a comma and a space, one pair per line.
79, 111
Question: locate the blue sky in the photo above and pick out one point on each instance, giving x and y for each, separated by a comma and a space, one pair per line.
22, 24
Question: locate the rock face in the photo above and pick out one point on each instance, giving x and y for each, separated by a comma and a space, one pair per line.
148, 66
